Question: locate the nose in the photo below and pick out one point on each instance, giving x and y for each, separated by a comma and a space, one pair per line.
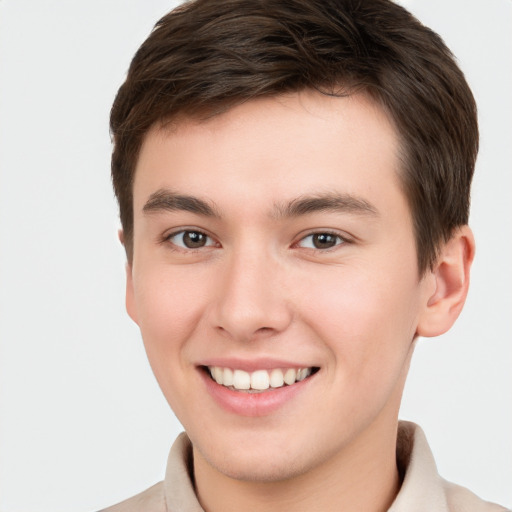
252, 301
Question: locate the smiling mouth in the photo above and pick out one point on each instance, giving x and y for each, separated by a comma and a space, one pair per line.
259, 380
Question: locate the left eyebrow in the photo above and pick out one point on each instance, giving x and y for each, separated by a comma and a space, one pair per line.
167, 200
330, 202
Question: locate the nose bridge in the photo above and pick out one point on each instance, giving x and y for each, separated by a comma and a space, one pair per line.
252, 300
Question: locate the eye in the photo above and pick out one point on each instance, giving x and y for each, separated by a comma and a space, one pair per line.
321, 241
190, 239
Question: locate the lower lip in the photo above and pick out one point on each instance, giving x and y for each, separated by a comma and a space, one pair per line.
253, 404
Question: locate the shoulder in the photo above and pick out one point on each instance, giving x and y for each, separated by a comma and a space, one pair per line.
150, 500
460, 499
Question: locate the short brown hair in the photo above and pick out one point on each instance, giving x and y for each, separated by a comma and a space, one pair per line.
208, 55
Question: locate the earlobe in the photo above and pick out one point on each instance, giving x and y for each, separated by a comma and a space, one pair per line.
130, 294
451, 276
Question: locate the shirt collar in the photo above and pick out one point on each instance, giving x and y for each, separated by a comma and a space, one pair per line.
422, 488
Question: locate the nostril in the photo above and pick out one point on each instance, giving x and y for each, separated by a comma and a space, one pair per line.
264, 329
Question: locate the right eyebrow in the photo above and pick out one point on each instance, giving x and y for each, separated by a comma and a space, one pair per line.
166, 200
333, 202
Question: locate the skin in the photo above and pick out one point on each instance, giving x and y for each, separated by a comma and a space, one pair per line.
259, 289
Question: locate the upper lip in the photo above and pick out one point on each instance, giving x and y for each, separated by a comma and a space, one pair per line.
251, 365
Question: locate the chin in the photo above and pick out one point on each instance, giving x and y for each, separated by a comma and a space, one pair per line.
247, 469
258, 462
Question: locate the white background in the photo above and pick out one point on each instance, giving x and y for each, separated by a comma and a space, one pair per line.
83, 424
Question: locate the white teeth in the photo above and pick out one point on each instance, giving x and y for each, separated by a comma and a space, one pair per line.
290, 376
218, 374
259, 380
241, 380
303, 373
227, 377
276, 378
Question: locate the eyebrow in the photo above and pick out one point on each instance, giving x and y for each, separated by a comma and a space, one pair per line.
327, 202
167, 200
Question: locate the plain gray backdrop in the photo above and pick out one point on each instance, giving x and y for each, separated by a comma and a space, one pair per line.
83, 423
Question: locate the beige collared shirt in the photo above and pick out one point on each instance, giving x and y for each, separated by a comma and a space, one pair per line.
422, 490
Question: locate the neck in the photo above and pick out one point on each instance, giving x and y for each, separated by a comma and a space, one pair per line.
363, 476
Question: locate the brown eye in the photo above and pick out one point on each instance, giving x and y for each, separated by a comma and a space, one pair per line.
194, 239
191, 240
324, 240
321, 241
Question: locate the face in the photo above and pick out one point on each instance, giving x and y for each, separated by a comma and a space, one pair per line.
274, 249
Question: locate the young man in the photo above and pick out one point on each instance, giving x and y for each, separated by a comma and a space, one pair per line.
293, 180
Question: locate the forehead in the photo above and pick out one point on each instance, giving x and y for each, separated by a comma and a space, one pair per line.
276, 148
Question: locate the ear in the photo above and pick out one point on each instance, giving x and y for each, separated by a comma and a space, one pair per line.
130, 294
451, 277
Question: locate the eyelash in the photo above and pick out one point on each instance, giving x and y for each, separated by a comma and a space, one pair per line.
210, 242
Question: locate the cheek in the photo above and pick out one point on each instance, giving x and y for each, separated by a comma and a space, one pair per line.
366, 318
169, 306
